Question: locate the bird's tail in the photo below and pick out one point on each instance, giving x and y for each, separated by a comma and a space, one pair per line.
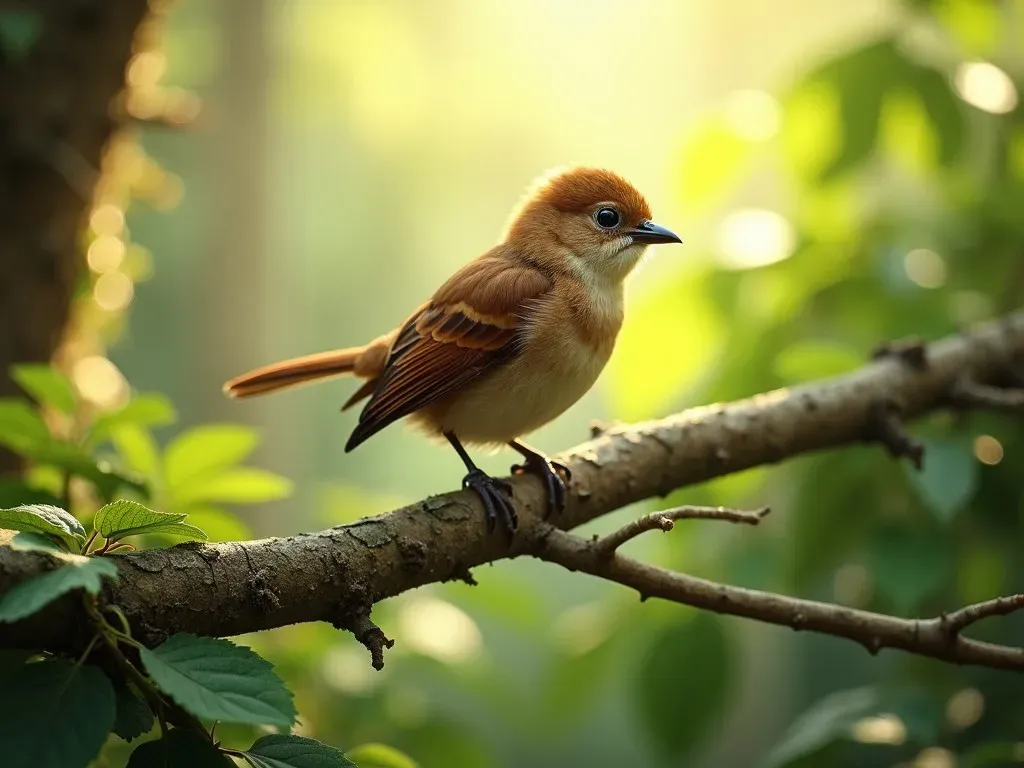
295, 372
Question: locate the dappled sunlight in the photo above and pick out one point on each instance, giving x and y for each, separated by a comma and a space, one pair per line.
439, 629
987, 87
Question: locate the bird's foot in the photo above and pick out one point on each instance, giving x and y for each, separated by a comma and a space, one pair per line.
496, 496
555, 476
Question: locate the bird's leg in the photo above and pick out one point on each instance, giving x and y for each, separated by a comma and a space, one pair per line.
495, 494
554, 474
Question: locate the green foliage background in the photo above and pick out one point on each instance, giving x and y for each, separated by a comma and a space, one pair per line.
875, 156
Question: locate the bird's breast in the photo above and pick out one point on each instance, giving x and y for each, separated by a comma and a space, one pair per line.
561, 354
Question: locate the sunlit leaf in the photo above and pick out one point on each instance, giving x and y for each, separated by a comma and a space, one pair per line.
142, 411
217, 680
137, 449
15, 492
203, 451
180, 748
944, 109
683, 682
811, 128
240, 485
949, 477
282, 750
76, 461
46, 520
976, 25
54, 714
46, 385
124, 518
21, 426
29, 596
907, 133
828, 720
378, 756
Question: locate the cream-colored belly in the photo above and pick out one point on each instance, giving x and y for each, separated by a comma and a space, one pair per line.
523, 395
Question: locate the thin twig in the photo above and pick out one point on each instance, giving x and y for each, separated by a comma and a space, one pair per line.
956, 622
967, 393
929, 637
371, 636
664, 521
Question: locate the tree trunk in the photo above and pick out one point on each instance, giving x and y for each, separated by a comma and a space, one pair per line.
61, 64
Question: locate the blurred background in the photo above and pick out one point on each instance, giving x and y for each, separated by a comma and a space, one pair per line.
842, 174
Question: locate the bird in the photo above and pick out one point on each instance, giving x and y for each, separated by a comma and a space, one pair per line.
509, 342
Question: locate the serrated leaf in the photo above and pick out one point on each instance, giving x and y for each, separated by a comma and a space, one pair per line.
149, 410
46, 385
677, 697
824, 722
205, 451
54, 714
379, 756
217, 680
20, 425
133, 715
178, 749
122, 515
241, 485
27, 597
47, 520
949, 477
288, 751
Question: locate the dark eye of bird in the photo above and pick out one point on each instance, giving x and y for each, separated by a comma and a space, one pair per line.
607, 218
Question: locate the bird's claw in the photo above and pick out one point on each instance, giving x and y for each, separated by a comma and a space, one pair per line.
496, 496
555, 476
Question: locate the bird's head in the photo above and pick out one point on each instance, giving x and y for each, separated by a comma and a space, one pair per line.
588, 220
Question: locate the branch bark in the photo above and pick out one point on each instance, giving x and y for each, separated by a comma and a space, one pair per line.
338, 574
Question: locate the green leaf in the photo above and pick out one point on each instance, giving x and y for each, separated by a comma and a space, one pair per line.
828, 720
945, 110
137, 448
205, 451
241, 485
287, 751
949, 477
37, 542
73, 459
27, 597
21, 427
178, 749
47, 520
683, 683
54, 714
142, 411
378, 756
46, 385
19, 31
124, 518
133, 715
14, 492
909, 566
217, 680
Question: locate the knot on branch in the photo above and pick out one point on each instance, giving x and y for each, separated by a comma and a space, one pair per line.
885, 425
370, 635
910, 351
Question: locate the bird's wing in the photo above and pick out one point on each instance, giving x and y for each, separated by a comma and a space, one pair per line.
470, 326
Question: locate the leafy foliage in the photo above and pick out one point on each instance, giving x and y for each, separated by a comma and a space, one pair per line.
217, 680
124, 518
77, 572
39, 697
179, 748
46, 520
286, 751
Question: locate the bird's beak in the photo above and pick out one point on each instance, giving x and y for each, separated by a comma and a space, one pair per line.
648, 232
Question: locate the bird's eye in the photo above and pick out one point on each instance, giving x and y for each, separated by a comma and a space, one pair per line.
607, 218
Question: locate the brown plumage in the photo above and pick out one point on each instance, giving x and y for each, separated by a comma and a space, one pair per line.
511, 340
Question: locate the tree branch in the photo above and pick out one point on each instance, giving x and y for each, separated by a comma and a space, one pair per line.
938, 638
232, 588
664, 521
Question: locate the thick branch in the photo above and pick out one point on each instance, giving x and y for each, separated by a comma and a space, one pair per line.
228, 589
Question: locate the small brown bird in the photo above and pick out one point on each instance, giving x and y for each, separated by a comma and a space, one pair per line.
510, 341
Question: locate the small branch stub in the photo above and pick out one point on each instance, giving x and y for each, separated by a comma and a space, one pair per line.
371, 636
664, 521
885, 425
967, 393
956, 622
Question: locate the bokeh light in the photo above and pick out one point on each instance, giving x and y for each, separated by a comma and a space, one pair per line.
987, 87
754, 237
